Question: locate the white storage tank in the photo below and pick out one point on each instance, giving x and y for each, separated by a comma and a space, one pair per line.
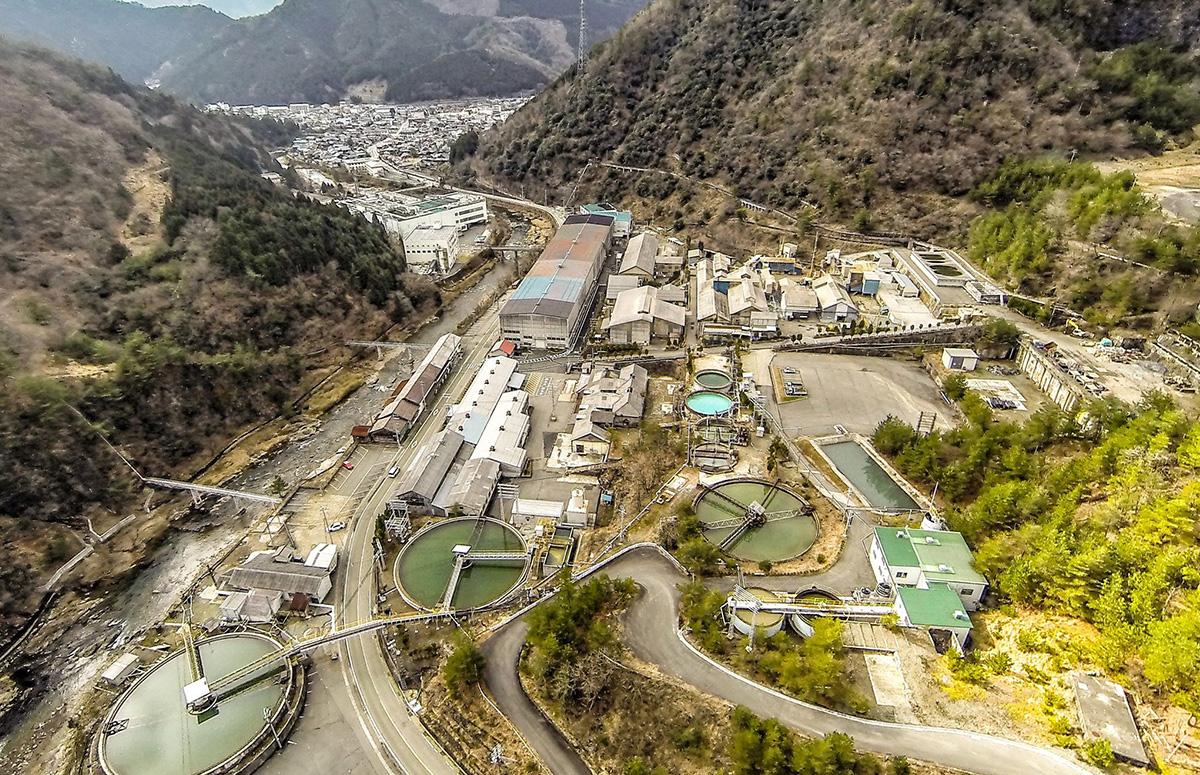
765, 622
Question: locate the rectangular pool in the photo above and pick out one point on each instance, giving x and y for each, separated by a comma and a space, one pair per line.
868, 477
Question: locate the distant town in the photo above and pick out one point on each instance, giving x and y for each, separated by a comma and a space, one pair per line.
348, 134
348, 154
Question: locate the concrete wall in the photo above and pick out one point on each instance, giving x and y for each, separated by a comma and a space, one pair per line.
1053, 381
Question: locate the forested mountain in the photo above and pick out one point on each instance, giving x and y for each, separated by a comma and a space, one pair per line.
882, 113
130, 38
321, 50
154, 285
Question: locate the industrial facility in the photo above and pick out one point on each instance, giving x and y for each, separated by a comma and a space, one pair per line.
547, 311
458, 469
401, 413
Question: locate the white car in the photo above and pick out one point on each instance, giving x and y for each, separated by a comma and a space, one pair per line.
336, 526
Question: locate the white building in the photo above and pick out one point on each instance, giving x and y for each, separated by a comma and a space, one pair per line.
504, 435
960, 358
323, 556
908, 557
124, 666
431, 249
905, 311
468, 417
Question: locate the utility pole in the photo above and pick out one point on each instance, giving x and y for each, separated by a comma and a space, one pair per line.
582, 49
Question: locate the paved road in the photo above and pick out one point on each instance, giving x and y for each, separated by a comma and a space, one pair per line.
503, 650
396, 737
650, 631
500, 675
394, 733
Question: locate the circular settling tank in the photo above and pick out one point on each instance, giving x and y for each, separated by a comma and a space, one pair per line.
713, 379
714, 457
708, 403
783, 530
426, 566
767, 623
150, 731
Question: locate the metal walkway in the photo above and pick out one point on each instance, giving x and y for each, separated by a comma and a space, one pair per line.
203, 489
852, 610
773, 516
230, 682
463, 561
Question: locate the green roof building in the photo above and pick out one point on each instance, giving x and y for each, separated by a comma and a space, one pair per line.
936, 608
622, 219
908, 557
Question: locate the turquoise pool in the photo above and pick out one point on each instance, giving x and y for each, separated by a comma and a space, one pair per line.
709, 403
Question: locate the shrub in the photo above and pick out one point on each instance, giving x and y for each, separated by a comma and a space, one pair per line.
698, 555
1099, 753
955, 386
999, 662
464, 666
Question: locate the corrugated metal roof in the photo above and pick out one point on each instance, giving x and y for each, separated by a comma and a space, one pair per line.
563, 273
427, 470
643, 304
501, 437
264, 571
472, 489
639, 254
470, 415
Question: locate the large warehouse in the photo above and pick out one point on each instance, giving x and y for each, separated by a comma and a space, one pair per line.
547, 310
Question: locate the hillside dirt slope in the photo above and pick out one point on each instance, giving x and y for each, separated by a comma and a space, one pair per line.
155, 289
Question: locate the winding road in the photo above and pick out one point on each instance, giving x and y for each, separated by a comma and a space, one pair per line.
400, 743
651, 633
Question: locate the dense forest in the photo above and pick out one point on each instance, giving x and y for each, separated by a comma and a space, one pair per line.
156, 289
1046, 217
1097, 517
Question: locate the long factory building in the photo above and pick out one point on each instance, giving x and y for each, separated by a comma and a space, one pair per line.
548, 308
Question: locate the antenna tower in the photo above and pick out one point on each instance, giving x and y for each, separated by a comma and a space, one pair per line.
582, 52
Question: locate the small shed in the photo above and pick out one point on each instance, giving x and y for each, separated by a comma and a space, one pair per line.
578, 513
255, 607
322, 556
530, 509
120, 670
960, 358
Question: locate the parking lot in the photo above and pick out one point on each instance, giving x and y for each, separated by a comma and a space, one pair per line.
855, 392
